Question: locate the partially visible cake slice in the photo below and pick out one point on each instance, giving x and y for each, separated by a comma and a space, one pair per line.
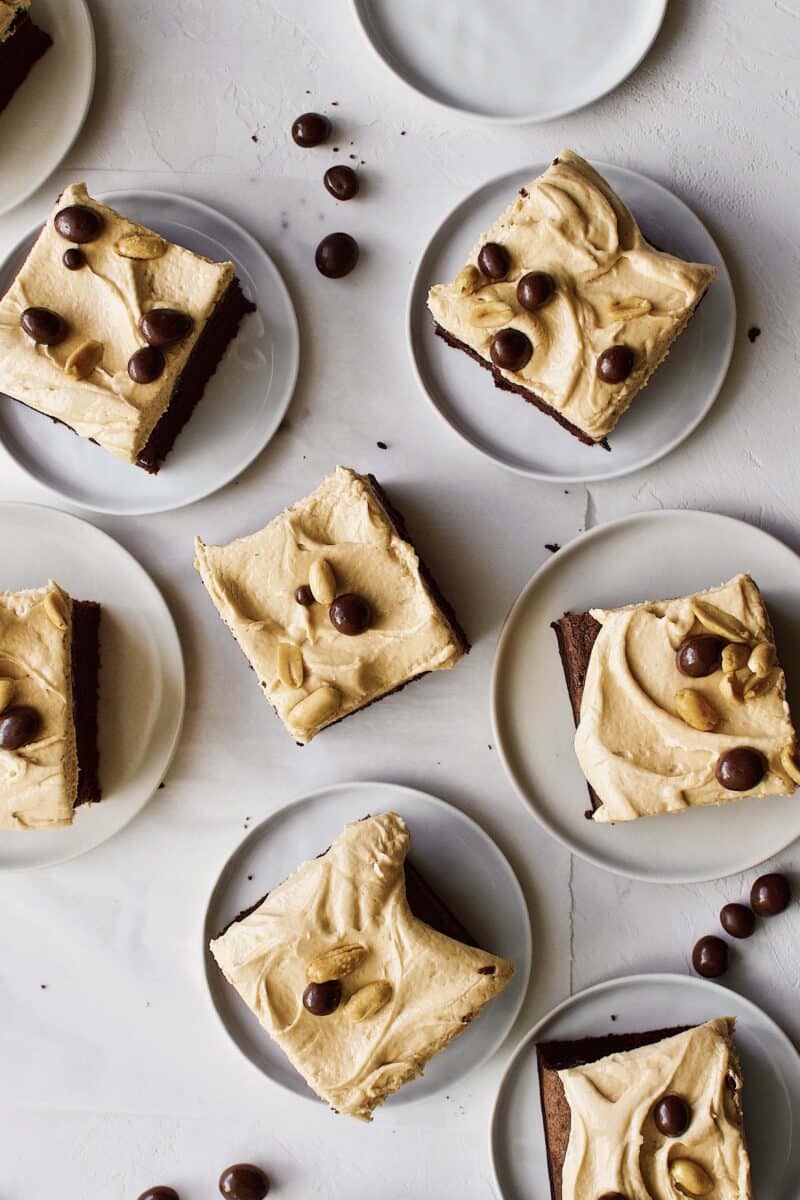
113, 331
655, 1114
49, 662
565, 301
357, 991
22, 44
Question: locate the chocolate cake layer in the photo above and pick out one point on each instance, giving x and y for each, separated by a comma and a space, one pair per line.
85, 672
558, 1056
576, 634
19, 51
220, 330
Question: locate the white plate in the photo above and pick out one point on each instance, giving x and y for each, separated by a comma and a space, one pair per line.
47, 112
141, 671
242, 405
653, 555
517, 435
508, 62
770, 1066
483, 892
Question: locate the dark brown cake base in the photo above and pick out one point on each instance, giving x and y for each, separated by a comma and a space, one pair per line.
220, 330
558, 1056
576, 634
19, 51
85, 671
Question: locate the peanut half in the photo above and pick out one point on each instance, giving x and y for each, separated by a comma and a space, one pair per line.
55, 610
316, 709
322, 581
790, 764
690, 1178
756, 686
734, 656
719, 622
141, 245
732, 687
6, 693
368, 1000
762, 659
335, 963
693, 708
489, 314
84, 358
290, 665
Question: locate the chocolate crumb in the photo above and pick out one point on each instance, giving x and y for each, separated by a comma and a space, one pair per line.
552, 547
250, 878
354, 157
161, 785
253, 137
523, 191
335, 103
308, 91
43, 986
382, 445
402, 133
589, 813
335, 149
489, 745
753, 333
613, 1016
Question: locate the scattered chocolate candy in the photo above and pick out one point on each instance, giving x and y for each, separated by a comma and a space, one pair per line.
160, 1192
738, 920
146, 364
18, 727
243, 1181
336, 255
47, 328
73, 259
341, 182
672, 1115
350, 614
615, 364
740, 769
510, 349
493, 260
165, 326
321, 999
700, 656
304, 596
770, 894
710, 957
535, 289
310, 129
78, 223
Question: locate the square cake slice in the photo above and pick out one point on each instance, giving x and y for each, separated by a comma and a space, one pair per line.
645, 1114
679, 702
22, 44
49, 662
357, 991
566, 303
114, 331
331, 604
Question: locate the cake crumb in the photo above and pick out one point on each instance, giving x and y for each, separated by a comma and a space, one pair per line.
335, 149
402, 133
335, 103
589, 814
254, 137
613, 1016
43, 986
382, 445
249, 878
753, 332
552, 547
523, 191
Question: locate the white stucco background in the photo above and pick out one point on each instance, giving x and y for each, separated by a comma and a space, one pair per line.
117, 1075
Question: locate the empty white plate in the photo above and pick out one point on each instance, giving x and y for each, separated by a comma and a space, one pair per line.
516, 434
240, 410
509, 62
770, 1066
141, 671
46, 113
649, 556
483, 893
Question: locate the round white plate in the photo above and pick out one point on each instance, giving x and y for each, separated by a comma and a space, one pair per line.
517, 435
483, 892
770, 1066
653, 555
46, 113
141, 671
508, 62
241, 408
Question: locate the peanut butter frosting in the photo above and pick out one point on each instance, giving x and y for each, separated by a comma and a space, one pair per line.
9, 11
611, 288
103, 302
634, 742
354, 897
38, 781
339, 537
615, 1145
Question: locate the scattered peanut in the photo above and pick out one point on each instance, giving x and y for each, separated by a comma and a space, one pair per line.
734, 656
84, 358
335, 963
690, 1178
141, 246
762, 659
368, 1000
693, 708
719, 622
322, 581
290, 665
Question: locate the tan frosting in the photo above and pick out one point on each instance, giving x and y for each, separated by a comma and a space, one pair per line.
38, 782
252, 582
614, 1145
102, 301
612, 288
355, 894
9, 10
636, 752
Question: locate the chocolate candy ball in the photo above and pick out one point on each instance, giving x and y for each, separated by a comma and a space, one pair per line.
341, 182
243, 1181
535, 289
18, 727
74, 259
337, 255
770, 894
160, 1192
710, 957
615, 364
78, 223
738, 920
350, 614
165, 326
322, 999
493, 260
47, 328
304, 596
146, 364
700, 656
740, 769
310, 129
510, 349
672, 1115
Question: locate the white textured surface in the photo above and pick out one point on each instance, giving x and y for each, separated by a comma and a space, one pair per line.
117, 1075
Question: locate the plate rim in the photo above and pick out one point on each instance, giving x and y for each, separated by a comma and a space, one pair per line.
656, 977
141, 509
29, 188
554, 564
156, 592
477, 114
360, 785
723, 278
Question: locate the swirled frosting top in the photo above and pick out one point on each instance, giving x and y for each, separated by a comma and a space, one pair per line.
355, 895
636, 750
102, 302
614, 1143
9, 10
611, 287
